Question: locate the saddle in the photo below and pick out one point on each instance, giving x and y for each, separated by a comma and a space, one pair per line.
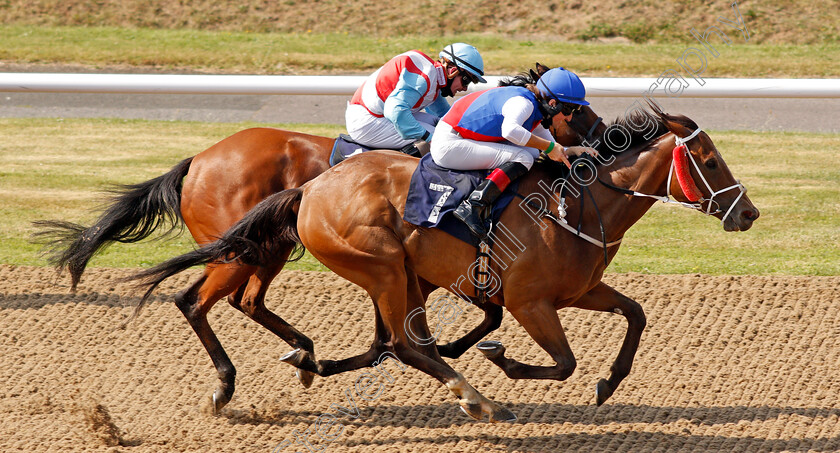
345, 147
435, 191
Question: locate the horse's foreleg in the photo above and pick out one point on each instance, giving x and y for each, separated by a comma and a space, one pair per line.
492, 320
195, 303
604, 298
539, 318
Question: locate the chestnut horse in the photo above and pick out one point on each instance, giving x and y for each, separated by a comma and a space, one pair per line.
364, 239
209, 192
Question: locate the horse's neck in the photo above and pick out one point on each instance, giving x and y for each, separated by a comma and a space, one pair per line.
643, 172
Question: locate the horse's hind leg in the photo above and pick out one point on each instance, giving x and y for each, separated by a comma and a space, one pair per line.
396, 292
425, 357
217, 282
539, 318
605, 298
250, 300
492, 320
324, 368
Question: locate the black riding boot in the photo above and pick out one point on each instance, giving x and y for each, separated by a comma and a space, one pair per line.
417, 149
475, 210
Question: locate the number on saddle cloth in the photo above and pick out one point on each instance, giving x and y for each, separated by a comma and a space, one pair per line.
435, 191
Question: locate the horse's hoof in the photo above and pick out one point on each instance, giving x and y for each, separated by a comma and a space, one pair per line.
473, 410
502, 415
305, 377
603, 392
217, 402
292, 357
491, 349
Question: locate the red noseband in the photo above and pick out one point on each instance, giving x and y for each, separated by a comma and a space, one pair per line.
689, 188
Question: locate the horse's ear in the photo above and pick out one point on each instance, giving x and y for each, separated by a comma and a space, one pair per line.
541, 68
534, 76
677, 127
671, 122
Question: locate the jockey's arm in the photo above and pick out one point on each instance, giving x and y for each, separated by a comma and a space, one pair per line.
515, 112
399, 103
439, 107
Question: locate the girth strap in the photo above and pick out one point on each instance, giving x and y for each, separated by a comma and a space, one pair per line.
481, 272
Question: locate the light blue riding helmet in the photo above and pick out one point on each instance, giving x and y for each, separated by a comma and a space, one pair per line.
465, 57
563, 85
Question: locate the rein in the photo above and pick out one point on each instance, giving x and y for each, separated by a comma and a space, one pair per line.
561, 221
592, 130
679, 166
577, 231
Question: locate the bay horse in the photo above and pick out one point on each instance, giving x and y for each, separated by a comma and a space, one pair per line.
364, 239
212, 190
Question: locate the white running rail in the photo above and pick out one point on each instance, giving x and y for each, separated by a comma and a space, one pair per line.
346, 85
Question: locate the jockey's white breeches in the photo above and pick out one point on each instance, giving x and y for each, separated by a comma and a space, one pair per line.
450, 150
380, 132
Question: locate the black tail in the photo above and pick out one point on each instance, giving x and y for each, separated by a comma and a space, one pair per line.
133, 213
268, 227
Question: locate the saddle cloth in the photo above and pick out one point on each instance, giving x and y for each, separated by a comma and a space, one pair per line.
435, 192
345, 147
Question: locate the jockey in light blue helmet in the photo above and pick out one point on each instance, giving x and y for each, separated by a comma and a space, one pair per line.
468, 62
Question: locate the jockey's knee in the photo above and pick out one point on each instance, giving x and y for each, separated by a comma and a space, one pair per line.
523, 158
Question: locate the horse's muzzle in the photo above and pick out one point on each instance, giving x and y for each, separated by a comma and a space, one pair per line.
741, 220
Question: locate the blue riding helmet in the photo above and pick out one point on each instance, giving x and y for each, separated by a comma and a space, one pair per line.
563, 85
466, 58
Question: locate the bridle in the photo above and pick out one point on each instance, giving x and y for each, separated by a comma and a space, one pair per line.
679, 167
589, 133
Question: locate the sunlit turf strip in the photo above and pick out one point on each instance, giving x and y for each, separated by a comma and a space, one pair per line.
337, 53
58, 169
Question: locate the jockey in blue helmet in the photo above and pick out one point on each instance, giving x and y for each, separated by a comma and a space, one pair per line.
505, 129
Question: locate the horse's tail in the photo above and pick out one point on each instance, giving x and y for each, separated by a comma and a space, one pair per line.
267, 228
133, 213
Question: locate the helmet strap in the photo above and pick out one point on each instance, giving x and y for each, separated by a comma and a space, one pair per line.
450, 50
547, 109
548, 112
446, 91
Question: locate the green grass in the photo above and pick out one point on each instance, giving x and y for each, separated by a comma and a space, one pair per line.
57, 169
340, 53
60, 169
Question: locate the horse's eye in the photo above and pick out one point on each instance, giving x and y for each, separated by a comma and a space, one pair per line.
711, 163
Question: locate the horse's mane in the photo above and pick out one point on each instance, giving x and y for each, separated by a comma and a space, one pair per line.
653, 119
520, 80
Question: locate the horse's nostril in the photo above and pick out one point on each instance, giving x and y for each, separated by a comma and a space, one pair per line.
750, 214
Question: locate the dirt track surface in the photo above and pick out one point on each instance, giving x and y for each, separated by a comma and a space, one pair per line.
726, 364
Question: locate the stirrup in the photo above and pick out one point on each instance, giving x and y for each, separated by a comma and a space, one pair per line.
470, 214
